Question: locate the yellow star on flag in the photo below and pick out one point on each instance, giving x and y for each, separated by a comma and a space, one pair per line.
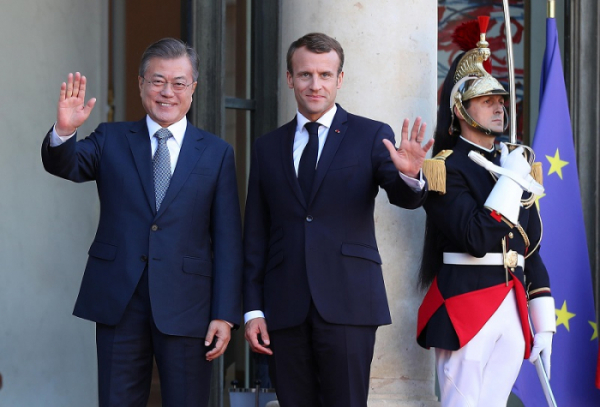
537, 200
563, 316
556, 164
595, 328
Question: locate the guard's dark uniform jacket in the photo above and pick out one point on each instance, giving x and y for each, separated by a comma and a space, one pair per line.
463, 297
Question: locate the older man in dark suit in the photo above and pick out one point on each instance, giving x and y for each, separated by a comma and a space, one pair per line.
313, 271
163, 278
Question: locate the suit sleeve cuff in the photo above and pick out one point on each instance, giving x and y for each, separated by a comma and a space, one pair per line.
252, 315
56, 140
416, 185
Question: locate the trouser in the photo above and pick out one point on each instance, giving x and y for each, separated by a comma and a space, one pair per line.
125, 360
482, 373
319, 364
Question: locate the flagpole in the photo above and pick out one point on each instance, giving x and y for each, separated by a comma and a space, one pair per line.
539, 365
551, 9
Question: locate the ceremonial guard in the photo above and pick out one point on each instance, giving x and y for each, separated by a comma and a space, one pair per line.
481, 262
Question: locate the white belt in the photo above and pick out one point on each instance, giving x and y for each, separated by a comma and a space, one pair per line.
490, 259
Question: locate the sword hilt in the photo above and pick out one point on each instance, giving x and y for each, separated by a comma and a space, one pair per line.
527, 151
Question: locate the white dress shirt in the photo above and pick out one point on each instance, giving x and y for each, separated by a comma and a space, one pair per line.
301, 136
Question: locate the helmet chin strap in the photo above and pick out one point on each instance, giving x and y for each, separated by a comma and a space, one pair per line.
472, 122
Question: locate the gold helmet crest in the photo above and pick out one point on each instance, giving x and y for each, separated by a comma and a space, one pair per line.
472, 80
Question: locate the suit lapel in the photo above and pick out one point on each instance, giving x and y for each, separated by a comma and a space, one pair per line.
190, 153
287, 158
334, 138
139, 143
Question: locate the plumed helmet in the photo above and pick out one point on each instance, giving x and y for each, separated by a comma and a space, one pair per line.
472, 79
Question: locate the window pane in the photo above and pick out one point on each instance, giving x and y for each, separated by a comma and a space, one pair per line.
237, 49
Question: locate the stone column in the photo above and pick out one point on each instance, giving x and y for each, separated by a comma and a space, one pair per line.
390, 74
48, 356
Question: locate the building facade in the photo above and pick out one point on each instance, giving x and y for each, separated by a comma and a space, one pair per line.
47, 356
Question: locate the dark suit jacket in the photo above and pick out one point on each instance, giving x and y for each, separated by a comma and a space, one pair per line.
192, 246
324, 249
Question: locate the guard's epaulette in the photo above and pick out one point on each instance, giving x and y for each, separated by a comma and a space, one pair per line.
537, 173
435, 171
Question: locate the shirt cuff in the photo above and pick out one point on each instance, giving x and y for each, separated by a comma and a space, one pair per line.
416, 185
252, 315
56, 140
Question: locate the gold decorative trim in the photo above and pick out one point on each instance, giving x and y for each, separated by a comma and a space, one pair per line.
537, 245
540, 290
435, 171
537, 172
524, 235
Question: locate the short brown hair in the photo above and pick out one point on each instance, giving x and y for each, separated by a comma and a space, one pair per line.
319, 44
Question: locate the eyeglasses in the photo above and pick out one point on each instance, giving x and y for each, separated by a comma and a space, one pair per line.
159, 84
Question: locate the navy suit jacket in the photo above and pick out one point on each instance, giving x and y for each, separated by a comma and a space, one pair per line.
191, 247
323, 249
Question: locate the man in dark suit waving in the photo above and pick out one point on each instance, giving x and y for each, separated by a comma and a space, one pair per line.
163, 278
312, 268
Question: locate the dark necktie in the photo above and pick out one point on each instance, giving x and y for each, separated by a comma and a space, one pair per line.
162, 166
308, 161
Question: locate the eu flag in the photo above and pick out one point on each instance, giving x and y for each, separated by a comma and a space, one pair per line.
564, 250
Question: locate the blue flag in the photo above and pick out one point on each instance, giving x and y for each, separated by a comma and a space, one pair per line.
563, 249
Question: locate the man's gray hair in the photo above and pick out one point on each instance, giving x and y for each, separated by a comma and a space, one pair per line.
170, 48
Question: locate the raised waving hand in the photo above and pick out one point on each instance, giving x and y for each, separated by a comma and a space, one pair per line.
409, 157
72, 110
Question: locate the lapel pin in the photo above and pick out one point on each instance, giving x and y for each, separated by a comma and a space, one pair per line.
337, 131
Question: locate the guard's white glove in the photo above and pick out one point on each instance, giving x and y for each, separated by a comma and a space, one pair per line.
505, 197
543, 318
514, 160
511, 166
542, 347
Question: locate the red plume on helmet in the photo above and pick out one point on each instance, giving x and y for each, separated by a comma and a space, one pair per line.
468, 34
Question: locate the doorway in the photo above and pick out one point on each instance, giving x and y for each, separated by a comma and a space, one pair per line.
236, 98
